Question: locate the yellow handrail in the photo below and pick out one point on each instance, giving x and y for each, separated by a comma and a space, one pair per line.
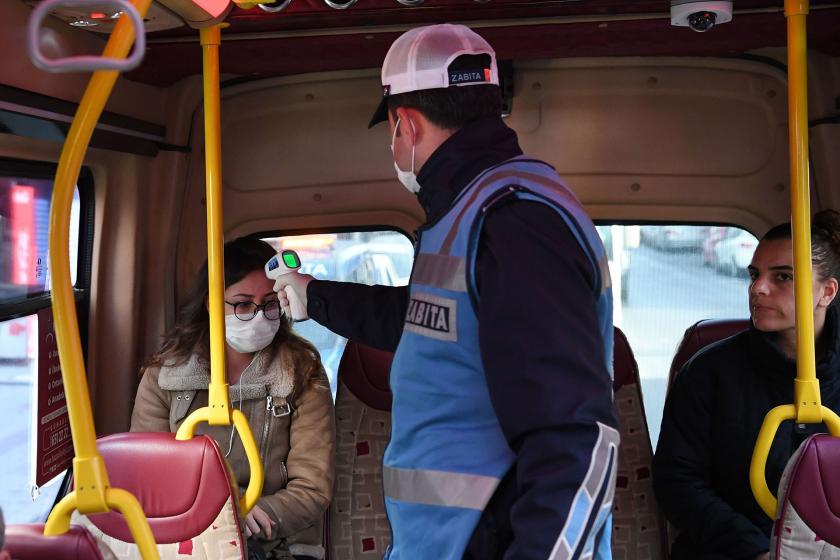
807, 407
92, 493
218, 412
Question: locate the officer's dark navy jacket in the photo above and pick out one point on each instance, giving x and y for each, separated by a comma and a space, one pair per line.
712, 418
546, 383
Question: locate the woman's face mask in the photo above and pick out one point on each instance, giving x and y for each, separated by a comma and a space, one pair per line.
250, 336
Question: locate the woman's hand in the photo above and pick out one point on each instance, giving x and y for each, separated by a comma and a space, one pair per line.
764, 556
258, 521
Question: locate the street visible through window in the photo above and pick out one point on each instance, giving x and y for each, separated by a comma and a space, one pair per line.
665, 279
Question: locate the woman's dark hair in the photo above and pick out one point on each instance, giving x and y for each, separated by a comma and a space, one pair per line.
191, 332
825, 242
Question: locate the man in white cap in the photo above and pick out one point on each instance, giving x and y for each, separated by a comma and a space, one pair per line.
504, 440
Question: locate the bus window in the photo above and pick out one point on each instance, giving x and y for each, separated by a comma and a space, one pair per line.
370, 257
25, 194
669, 277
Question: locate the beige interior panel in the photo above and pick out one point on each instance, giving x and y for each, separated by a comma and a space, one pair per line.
687, 139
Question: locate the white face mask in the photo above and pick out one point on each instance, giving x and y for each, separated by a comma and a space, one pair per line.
407, 178
250, 336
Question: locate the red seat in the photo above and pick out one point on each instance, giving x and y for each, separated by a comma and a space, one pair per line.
27, 542
638, 525
808, 517
364, 370
186, 489
701, 334
359, 528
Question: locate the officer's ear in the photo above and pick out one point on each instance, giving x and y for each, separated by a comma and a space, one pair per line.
412, 125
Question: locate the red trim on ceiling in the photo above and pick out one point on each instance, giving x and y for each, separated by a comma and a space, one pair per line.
167, 63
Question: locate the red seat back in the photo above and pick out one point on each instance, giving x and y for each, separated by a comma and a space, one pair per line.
808, 518
186, 489
27, 542
701, 334
364, 370
359, 528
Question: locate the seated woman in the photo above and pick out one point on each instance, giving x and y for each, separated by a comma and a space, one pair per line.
717, 404
276, 379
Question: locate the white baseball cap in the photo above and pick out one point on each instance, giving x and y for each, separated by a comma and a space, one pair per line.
420, 58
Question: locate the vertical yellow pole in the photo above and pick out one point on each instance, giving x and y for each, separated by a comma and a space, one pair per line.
219, 413
806, 386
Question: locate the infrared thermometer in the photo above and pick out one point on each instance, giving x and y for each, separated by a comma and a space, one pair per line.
282, 263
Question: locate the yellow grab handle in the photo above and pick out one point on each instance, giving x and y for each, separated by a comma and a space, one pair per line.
93, 493
758, 464
240, 423
118, 499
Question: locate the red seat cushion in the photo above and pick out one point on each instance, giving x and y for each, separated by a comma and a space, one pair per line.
364, 370
27, 542
181, 485
701, 334
811, 487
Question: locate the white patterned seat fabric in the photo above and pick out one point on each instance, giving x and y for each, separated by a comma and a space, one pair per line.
638, 525
359, 528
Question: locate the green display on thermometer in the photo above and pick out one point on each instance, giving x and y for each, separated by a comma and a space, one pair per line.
290, 259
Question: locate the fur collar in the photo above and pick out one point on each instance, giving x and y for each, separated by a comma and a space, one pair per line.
262, 377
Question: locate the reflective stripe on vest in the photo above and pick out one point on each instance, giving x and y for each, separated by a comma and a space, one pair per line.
447, 452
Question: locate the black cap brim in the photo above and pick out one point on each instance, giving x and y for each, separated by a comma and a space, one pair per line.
381, 113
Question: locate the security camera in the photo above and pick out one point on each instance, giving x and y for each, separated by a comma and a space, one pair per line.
700, 16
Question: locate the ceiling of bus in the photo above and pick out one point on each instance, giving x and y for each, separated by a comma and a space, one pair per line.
309, 36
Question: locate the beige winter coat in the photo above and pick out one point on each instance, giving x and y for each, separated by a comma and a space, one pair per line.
295, 431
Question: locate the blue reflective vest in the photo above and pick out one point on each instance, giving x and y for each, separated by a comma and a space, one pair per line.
447, 452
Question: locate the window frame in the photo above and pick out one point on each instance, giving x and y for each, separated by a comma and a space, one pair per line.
84, 265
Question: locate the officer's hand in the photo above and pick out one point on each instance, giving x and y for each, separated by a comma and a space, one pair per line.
293, 284
258, 521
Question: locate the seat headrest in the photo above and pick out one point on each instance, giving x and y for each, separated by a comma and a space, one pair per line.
813, 487
181, 485
701, 334
27, 542
364, 371
625, 369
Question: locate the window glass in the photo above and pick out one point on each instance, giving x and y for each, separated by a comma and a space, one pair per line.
24, 225
21, 501
666, 278
374, 257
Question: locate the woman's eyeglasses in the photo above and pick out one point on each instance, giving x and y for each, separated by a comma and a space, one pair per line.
247, 310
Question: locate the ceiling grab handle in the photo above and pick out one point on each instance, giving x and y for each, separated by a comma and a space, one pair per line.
807, 407
92, 492
218, 412
84, 63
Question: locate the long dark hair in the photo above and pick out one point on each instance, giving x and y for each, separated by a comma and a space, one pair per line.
191, 333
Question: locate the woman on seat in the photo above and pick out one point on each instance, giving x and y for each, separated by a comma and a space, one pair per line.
715, 408
276, 379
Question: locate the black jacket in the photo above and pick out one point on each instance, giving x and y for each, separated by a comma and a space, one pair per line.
538, 335
712, 417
